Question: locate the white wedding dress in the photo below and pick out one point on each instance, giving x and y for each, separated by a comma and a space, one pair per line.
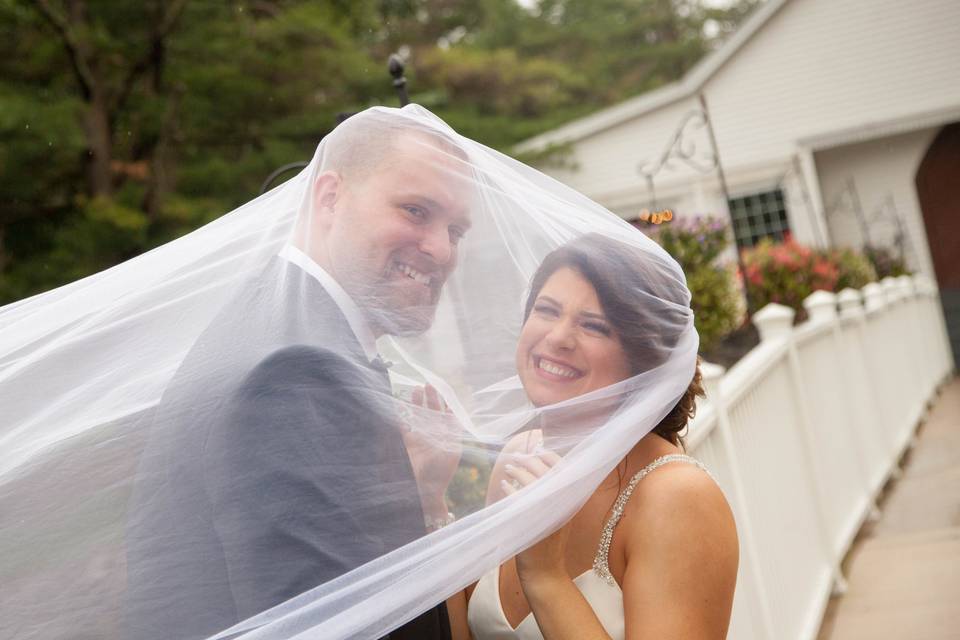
485, 614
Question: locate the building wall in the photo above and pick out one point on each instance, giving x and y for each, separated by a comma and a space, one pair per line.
832, 65
882, 170
816, 68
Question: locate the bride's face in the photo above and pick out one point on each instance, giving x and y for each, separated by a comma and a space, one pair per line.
567, 346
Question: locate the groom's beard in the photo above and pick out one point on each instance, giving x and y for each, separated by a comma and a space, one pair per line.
392, 301
409, 321
391, 310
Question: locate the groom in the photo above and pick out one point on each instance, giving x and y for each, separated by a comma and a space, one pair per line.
275, 462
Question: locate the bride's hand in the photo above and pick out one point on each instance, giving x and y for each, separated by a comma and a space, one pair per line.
434, 446
545, 559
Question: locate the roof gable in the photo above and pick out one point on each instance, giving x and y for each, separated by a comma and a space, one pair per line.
691, 83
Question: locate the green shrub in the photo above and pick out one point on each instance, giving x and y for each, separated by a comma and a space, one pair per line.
854, 270
885, 263
717, 302
697, 243
468, 489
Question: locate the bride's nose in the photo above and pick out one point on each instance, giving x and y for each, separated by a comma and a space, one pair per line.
561, 335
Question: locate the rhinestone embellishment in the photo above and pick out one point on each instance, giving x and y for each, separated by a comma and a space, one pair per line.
600, 561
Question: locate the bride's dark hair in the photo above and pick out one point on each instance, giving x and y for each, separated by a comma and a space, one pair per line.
636, 291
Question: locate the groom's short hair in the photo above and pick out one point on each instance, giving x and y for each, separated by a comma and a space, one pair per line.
363, 143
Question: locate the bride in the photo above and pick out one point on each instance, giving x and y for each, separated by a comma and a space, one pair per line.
653, 552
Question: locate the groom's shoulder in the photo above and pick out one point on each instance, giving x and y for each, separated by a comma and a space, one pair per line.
306, 364
302, 380
299, 362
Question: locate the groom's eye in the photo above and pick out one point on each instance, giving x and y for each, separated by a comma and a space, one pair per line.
416, 212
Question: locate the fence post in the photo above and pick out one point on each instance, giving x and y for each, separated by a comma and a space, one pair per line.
821, 306
896, 317
775, 323
911, 320
851, 308
712, 377
890, 289
873, 297
875, 302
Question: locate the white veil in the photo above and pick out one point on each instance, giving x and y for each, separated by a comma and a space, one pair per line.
213, 439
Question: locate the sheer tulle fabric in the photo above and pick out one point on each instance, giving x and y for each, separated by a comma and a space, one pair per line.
153, 417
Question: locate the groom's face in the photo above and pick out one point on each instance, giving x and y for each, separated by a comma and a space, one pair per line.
395, 231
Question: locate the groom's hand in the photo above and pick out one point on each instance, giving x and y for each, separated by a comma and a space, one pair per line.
434, 443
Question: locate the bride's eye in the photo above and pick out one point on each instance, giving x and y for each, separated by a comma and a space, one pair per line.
597, 327
545, 309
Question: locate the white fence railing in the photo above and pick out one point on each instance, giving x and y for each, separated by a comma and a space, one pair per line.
804, 431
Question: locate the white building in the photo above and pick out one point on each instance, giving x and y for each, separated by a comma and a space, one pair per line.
823, 111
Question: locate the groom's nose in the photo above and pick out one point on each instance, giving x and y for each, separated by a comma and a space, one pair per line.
436, 243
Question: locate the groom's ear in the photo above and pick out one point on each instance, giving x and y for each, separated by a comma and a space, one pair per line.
326, 191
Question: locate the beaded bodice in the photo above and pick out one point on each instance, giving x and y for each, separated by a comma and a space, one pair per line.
601, 560
485, 613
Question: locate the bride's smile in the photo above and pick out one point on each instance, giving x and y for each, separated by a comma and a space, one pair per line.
567, 346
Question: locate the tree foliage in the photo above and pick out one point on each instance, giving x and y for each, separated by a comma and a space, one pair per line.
126, 124
699, 245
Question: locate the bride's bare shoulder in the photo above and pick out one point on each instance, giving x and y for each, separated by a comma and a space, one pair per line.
681, 553
680, 505
680, 494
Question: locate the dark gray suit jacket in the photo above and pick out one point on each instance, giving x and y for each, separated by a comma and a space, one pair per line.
270, 469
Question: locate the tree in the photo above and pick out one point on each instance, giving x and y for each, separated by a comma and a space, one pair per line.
125, 125
106, 64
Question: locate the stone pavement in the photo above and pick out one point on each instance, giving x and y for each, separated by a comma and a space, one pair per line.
904, 570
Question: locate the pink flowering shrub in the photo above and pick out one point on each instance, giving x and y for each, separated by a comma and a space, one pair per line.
787, 272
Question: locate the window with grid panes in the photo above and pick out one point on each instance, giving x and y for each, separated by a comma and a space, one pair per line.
758, 216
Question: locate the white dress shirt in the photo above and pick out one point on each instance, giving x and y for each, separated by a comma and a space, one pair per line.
349, 309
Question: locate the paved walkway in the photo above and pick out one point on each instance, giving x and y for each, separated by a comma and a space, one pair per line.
904, 570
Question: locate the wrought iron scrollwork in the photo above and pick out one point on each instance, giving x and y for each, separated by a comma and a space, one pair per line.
847, 201
682, 147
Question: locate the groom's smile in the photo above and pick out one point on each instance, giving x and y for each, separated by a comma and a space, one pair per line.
395, 233
413, 274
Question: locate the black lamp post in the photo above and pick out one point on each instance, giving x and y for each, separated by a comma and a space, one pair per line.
395, 67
